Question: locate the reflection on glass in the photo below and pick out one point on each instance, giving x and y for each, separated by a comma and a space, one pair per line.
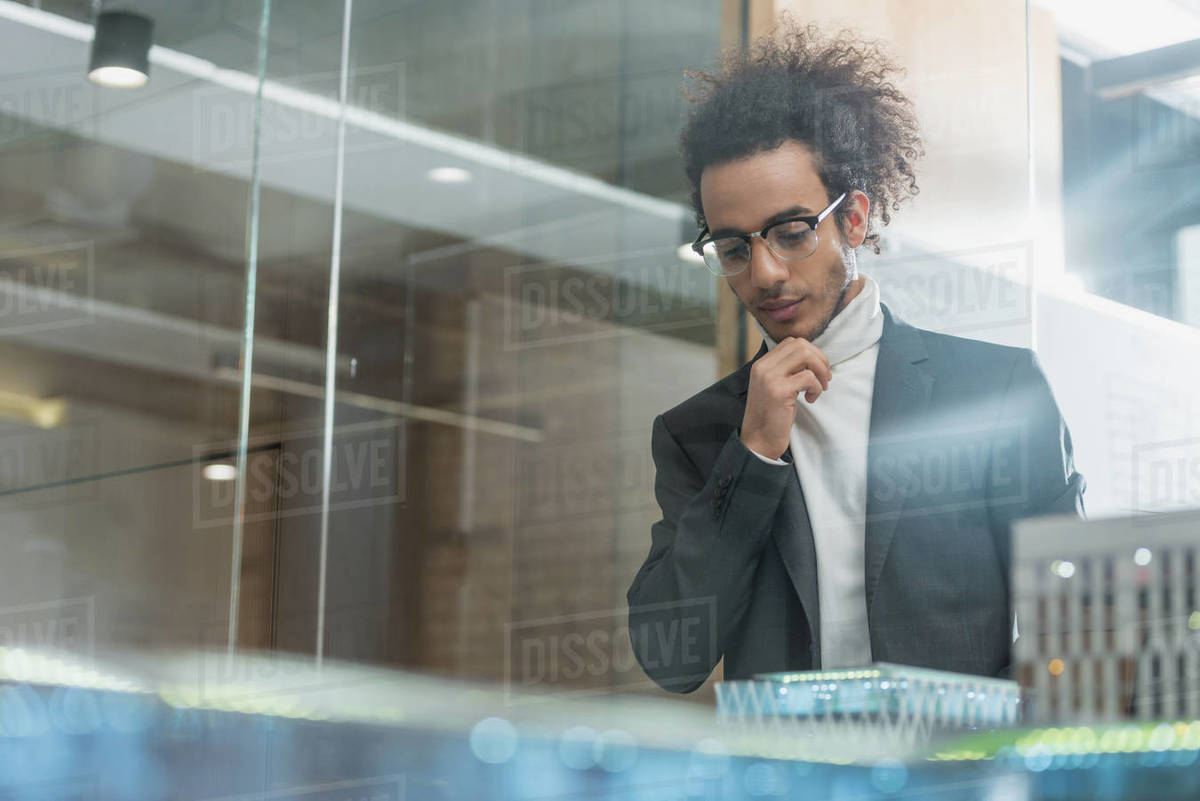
340, 340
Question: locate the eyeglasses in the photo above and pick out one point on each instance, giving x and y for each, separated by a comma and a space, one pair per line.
792, 239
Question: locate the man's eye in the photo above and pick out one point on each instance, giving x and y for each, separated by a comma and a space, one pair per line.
732, 250
791, 233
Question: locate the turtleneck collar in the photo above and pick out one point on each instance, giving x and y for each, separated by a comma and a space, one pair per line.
852, 330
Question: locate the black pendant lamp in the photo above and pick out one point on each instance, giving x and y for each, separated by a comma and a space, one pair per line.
121, 50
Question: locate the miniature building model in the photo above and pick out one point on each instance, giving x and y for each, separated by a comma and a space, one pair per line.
883, 709
1108, 618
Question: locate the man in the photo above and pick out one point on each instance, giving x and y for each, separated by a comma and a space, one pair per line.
868, 522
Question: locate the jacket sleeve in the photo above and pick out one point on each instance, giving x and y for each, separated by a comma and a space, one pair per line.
1033, 468
695, 585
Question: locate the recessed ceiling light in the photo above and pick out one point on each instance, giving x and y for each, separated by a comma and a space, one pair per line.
449, 175
1063, 568
219, 471
118, 77
120, 50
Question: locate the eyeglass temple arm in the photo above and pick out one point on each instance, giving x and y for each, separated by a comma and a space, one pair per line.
829, 209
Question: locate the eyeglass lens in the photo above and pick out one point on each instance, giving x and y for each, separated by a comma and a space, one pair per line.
789, 241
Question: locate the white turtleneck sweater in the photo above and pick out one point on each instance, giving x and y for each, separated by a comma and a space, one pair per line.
829, 452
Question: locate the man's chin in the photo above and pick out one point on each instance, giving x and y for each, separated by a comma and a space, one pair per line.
800, 328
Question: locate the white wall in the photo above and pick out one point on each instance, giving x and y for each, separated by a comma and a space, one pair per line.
1128, 383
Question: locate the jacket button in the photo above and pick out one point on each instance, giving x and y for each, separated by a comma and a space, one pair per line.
725, 481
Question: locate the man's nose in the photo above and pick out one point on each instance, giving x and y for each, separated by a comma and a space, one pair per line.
766, 270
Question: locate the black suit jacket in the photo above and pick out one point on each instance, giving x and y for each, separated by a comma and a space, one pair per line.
965, 438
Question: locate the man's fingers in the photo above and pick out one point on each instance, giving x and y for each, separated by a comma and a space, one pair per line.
823, 373
795, 351
797, 344
808, 382
819, 367
798, 360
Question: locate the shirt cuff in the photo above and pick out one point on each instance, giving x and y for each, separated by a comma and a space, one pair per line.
765, 458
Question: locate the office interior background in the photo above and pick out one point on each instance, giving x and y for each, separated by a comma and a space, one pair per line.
340, 339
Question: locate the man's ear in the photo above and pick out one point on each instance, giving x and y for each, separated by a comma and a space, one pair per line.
853, 221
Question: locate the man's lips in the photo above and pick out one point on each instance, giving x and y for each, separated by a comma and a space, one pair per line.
781, 309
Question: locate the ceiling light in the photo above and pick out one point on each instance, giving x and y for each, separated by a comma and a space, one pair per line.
219, 471
121, 50
44, 413
449, 175
1063, 569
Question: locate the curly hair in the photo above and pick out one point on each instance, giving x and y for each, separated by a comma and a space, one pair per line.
833, 95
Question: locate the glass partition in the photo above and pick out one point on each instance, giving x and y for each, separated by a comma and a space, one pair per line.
365, 311
124, 250
342, 339
355, 319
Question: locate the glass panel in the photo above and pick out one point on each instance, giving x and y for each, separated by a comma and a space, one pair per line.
1129, 158
960, 257
1129, 137
123, 253
461, 358
341, 344
279, 578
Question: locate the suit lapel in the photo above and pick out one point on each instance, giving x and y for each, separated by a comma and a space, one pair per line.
903, 386
794, 538
901, 395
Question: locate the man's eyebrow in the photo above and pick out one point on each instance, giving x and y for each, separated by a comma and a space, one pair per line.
792, 211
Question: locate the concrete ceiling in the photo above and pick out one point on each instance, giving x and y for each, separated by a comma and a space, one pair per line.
158, 178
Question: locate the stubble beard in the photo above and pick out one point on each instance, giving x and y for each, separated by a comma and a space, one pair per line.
837, 282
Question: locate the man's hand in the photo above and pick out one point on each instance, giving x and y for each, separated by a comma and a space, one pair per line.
776, 380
